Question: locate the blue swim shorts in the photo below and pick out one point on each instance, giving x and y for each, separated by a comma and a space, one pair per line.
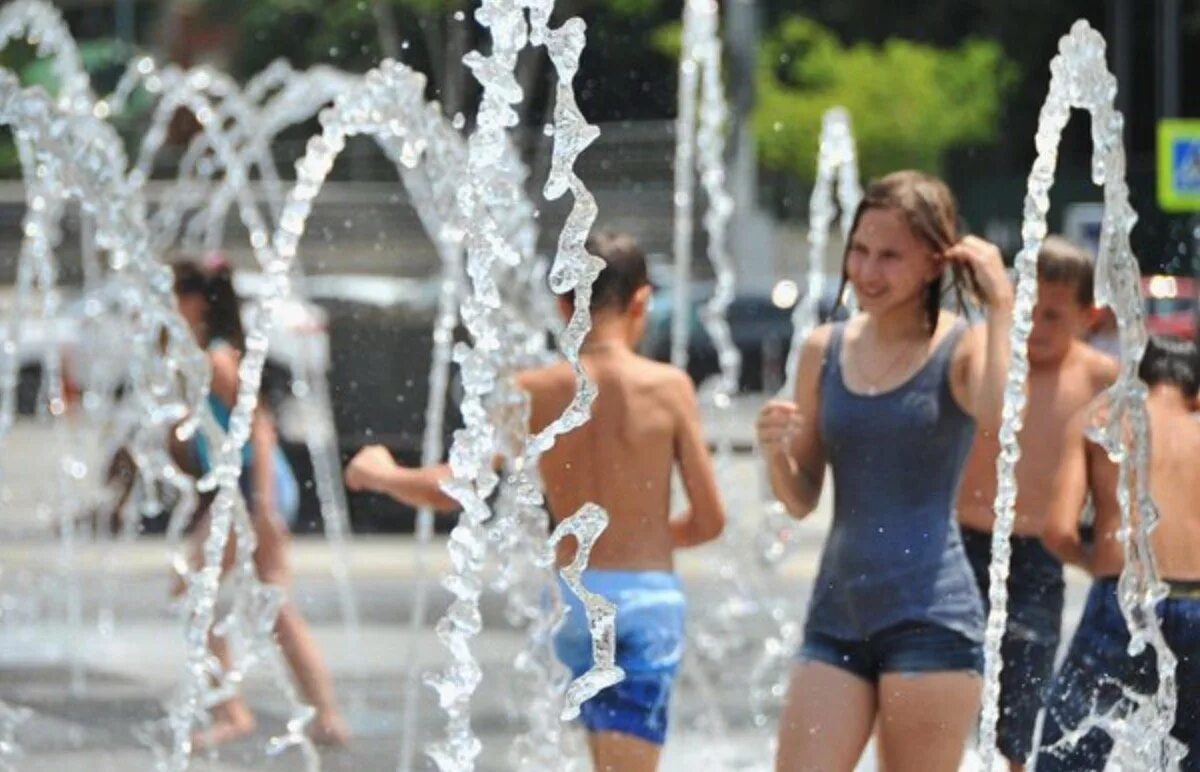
1099, 677
1030, 642
650, 635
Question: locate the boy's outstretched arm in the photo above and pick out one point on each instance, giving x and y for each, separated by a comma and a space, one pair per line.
705, 517
373, 469
1061, 535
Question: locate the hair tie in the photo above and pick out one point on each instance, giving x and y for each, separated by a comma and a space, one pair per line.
215, 261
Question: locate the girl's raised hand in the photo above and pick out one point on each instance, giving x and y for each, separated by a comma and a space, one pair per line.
984, 263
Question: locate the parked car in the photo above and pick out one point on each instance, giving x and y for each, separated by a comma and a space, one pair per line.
369, 336
380, 343
81, 327
760, 323
1172, 305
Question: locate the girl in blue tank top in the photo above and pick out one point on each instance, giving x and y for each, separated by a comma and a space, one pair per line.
210, 305
890, 401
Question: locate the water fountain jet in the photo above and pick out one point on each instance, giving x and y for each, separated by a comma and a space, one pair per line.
1080, 79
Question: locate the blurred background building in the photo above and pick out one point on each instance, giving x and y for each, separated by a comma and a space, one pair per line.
948, 86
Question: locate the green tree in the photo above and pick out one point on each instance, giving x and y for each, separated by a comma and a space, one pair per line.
910, 102
432, 36
354, 35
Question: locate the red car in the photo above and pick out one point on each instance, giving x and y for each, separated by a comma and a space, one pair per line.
1172, 305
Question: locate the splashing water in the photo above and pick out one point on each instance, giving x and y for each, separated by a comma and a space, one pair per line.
487, 369
522, 555
389, 105
531, 553
248, 132
41, 24
701, 121
474, 445
224, 144
1080, 79
700, 144
216, 103
586, 526
405, 136
10, 719
82, 157
37, 272
299, 97
188, 706
837, 165
192, 698
429, 163
684, 190
702, 45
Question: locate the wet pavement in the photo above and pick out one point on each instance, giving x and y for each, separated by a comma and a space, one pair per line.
129, 648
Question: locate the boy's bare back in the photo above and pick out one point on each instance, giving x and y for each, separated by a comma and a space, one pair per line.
644, 421
1175, 488
1055, 396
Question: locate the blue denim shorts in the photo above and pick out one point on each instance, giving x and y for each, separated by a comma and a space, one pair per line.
909, 648
1030, 642
1098, 674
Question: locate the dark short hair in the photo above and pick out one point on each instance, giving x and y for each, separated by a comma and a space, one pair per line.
624, 271
1171, 361
1060, 261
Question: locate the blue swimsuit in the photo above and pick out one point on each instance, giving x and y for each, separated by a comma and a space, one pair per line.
894, 558
287, 490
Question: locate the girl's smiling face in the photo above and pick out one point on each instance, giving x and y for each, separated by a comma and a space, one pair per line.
888, 265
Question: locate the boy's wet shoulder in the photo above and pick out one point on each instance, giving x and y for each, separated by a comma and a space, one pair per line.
1101, 368
661, 373
547, 376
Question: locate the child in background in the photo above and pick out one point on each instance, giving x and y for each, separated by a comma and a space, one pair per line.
645, 424
1064, 375
1098, 669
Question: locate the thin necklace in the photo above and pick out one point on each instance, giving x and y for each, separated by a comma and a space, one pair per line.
601, 345
873, 383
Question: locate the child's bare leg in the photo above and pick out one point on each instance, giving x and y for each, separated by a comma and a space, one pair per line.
232, 719
304, 657
295, 637
827, 719
925, 720
618, 752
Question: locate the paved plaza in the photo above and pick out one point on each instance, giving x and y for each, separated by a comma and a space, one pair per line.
130, 648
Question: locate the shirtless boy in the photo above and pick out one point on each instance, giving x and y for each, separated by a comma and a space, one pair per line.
645, 423
1098, 665
1064, 375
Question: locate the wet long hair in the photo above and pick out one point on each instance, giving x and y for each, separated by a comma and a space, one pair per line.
224, 309
929, 209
